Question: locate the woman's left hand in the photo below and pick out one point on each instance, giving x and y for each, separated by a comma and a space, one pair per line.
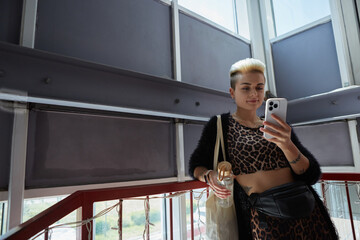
282, 138
281, 134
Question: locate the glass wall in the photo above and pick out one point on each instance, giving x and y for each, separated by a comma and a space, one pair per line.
242, 19
292, 14
229, 14
199, 197
133, 220
354, 192
220, 12
302, 36
337, 204
34, 206
288, 15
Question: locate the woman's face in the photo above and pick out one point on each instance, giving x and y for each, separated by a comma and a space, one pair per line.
249, 90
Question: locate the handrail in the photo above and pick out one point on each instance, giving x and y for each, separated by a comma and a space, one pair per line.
85, 199
353, 177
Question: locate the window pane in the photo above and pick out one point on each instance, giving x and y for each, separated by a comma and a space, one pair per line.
218, 11
318, 190
337, 204
242, 19
34, 206
3, 214
199, 213
292, 14
354, 191
133, 219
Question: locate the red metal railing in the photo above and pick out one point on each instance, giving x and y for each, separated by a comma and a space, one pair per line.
344, 177
85, 199
353, 177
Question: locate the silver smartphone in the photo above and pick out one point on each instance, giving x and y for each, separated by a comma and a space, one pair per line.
277, 106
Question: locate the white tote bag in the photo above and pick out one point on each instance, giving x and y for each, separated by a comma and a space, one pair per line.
221, 223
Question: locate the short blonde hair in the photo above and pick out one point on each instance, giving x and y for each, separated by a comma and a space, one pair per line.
245, 66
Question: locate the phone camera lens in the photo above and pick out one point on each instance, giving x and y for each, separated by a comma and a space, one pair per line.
275, 105
270, 108
271, 103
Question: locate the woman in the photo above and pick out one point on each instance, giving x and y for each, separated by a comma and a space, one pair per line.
260, 164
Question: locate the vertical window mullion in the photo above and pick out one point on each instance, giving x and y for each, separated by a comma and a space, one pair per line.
342, 48
28, 25
271, 10
236, 24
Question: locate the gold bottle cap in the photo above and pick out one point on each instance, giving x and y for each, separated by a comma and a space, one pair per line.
224, 170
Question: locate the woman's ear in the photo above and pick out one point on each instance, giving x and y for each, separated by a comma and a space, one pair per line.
232, 93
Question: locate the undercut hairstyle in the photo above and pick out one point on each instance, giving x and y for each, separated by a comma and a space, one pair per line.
245, 66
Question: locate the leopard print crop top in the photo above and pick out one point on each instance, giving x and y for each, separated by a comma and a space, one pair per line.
249, 152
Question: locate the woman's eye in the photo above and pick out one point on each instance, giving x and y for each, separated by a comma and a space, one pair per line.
260, 88
245, 89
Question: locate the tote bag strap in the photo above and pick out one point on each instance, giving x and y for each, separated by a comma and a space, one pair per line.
219, 140
220, 132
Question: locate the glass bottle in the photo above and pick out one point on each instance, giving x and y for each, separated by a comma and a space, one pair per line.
225, 179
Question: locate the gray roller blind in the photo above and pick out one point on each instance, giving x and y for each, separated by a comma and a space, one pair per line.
133, 35
10, 20
6, 130
306, 63
207, 54
192, 133
71, 149
329, 142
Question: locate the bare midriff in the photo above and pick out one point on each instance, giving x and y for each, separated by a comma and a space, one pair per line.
261, 181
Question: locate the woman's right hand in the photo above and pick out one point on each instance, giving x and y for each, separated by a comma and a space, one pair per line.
220, 191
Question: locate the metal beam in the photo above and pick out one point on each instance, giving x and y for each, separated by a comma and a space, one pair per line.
17, 165
354, 140
343, 103
107, 108
28, 24
180, 152
45, 75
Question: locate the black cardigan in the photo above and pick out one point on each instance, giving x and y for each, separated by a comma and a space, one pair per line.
203, 155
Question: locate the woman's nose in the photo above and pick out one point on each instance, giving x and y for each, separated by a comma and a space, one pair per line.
253, 92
